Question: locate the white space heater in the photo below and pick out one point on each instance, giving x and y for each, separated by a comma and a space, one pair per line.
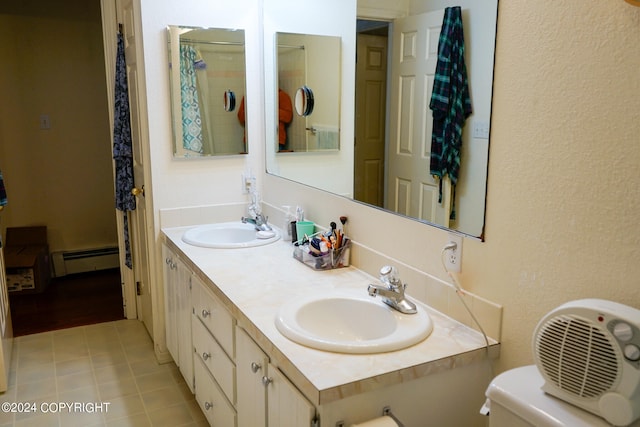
588, 352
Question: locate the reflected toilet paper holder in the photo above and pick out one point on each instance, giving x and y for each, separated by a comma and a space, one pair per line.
385, 411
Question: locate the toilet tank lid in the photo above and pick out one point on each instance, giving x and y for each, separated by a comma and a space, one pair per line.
519, 391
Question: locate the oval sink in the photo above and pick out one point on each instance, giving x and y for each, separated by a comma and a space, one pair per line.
351, 322
228, 235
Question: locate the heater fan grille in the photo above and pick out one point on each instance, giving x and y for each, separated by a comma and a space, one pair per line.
577, 356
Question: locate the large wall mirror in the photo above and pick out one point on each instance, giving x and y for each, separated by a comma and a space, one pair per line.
387, 163
207, 79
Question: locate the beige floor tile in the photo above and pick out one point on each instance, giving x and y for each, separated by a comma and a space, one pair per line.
147, 366
119, 388
171, 416
73, 366
161, 398
75, 381
26, 392
42, 420
113, 356
154, 381
125, 406
113, 364
113, 372
37, 372
80, 395
139, 420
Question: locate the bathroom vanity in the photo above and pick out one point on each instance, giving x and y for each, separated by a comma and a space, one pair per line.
220, 307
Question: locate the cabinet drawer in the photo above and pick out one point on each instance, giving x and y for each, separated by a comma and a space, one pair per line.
214, 405
218, 363
214, 316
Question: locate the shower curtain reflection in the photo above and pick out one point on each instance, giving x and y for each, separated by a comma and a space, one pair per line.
191, 117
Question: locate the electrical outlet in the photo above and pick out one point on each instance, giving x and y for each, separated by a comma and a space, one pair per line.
248, 182
481, 129
453, 256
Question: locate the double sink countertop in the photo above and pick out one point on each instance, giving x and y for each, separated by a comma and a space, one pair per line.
254, 282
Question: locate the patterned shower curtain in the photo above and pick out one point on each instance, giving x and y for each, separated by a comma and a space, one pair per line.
191, 118
122, 147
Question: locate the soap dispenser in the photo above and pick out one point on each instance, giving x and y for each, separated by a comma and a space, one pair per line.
289, 217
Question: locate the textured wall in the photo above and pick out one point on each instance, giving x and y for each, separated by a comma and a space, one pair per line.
563, 217
563, 208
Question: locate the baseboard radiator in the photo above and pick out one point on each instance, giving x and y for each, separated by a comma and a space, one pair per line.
82, 261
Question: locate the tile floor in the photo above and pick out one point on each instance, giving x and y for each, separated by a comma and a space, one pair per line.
111, 363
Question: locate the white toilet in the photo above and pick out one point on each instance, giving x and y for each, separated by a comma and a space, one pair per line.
515, 399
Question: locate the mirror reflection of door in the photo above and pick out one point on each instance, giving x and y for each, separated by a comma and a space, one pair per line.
412, 190
370, 111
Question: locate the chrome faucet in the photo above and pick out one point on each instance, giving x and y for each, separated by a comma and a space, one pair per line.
255, 217
393, 292
259, 222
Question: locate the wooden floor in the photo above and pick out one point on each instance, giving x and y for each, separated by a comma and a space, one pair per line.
73, 300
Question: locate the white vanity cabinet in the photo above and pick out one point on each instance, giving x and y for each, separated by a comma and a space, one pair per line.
178, 308
266, 398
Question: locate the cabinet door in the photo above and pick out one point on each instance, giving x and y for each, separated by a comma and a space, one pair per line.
287, 407
170, 278
251, 364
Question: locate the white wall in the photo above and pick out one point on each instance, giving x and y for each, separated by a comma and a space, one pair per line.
180, 182
327, 18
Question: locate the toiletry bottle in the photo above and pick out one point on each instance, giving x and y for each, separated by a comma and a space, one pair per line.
299, 217
288, 218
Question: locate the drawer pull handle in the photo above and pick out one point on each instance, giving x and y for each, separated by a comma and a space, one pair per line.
205, 313
206, 355
208, 406
266, 381
255, 367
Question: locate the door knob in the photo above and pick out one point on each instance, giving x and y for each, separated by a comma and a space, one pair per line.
137, 191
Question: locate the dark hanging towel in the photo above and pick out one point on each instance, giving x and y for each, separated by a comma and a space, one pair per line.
3, 198
450, 101
122, 147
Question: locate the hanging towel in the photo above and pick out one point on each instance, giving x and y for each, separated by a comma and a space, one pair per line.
122, 147
3, 192
450, 101
191, 118
3, 198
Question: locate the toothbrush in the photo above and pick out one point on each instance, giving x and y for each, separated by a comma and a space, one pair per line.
343, 220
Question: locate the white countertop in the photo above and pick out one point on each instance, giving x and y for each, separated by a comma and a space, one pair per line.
254, 282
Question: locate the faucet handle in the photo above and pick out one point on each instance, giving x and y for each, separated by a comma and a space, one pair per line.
389, 275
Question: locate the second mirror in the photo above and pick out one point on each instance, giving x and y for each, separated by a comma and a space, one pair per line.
309, 70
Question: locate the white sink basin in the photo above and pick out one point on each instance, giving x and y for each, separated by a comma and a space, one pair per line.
351, 322
228, 235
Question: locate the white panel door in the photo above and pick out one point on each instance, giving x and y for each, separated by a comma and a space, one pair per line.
251, 366
411, 190
138, 226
